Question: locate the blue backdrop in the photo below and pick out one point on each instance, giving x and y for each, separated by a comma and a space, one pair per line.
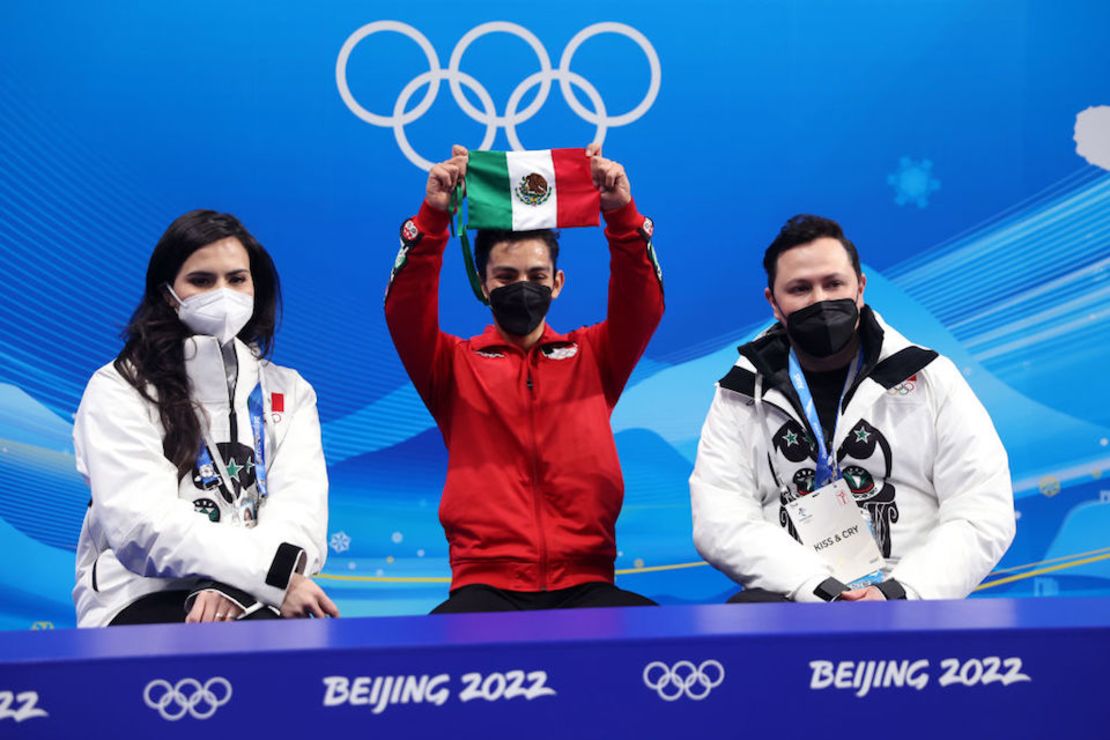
963, 145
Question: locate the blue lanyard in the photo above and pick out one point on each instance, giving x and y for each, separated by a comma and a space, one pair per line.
204, 456
258, 429
827, 471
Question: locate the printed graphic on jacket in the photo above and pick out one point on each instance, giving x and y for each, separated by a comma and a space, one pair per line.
864, 452
560, 350
239, 460
208, 507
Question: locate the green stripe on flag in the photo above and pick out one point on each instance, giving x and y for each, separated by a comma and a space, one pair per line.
488, 204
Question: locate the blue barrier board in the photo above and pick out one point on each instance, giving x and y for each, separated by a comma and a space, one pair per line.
983, 668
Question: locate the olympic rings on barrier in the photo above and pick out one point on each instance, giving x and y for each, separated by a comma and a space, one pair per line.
487, 115
683, 679
187, 696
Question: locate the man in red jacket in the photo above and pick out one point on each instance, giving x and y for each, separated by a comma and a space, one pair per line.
533, 482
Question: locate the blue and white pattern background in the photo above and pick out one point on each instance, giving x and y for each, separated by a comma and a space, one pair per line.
943, 135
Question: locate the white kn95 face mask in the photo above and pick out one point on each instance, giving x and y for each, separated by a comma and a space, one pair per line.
218, 313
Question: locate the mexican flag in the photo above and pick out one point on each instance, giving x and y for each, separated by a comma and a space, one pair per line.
518, 191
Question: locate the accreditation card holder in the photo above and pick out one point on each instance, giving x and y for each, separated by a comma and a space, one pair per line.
828, 520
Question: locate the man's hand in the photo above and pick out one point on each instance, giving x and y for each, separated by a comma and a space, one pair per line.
212, 606
870, 593
304, 598
609, 179
444, 177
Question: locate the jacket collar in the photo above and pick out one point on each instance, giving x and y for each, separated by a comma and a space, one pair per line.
768, 355
769, 351
889, 358
204, 366
491, 338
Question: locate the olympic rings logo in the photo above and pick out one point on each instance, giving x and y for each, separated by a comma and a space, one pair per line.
187, 696
512, 117
683, 679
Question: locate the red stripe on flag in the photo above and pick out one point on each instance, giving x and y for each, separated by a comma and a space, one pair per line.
277, 402
577, 201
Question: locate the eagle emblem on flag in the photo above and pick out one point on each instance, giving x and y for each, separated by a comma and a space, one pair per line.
533, 189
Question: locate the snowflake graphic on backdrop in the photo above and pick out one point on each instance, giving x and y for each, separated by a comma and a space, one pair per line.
913, 182
340, 542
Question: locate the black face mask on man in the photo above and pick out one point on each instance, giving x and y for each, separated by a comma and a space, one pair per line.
824, 328
520, 307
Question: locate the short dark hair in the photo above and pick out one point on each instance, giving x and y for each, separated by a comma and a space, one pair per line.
803, 229
487, 239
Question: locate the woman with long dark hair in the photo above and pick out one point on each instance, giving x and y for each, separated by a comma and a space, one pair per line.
209, 489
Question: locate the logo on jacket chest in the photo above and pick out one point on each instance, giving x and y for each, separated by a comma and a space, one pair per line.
560, 351
277, 407
905, 388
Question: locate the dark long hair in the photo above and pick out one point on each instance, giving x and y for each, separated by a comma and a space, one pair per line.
153, 356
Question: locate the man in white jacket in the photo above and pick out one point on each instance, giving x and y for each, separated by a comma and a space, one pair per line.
828, 392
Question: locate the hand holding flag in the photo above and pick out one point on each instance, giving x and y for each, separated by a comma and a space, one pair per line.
609, 179
524, 190
443, 178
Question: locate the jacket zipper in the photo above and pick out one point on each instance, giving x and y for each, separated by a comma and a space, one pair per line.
233, 434
536, 499
232, 419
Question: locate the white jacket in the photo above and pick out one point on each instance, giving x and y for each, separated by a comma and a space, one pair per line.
917, 448
146, 530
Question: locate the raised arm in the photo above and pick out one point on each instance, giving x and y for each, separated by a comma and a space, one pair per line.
635, 278
412, 298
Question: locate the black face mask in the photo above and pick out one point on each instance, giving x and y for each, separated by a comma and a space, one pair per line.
520, 307
824, 328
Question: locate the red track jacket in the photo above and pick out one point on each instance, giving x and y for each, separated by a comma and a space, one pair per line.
533, 482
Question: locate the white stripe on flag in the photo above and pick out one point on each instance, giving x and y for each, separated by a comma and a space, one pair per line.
520, 165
